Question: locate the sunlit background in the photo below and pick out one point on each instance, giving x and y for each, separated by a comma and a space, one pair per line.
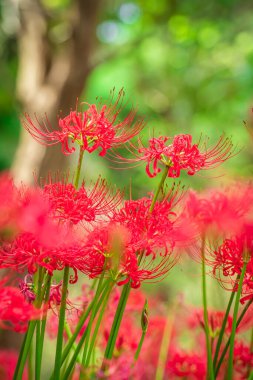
187, 66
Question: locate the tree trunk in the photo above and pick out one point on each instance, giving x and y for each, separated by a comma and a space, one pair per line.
50, 78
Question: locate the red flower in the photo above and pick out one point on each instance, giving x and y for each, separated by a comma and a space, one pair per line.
187, 365
178, 154
138, 244
15, 311
243, 359
92, 129
220, 211
215, 319
229, 258
9, 206
83, 204
8, 362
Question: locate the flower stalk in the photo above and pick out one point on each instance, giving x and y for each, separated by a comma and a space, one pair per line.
232, 336
59, 344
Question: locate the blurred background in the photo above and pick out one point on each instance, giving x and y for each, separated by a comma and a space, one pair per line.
187, 66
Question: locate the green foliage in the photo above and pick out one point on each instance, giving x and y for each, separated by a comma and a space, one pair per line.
187, 65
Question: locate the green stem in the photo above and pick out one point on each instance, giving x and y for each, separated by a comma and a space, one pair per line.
40, 342
117, 321
232, 336
251, 351
228, 342
223, 327
93, 314
79, 166
72, 363
74, 358
251, 376
69, 335
160, 186
28, 340
79, 326
206, 323
30, 366
94, 336
81, 322
137, 353
164, 347
59, 344
30, 330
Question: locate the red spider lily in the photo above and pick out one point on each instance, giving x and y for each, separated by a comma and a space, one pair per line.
243, 359
220, 211
144, 245
92, 129
178, 153
215, 319
27, 253
26, 287
15, 311
35, 216
8, 361
9, 206
83, 204
186, 365
229, 258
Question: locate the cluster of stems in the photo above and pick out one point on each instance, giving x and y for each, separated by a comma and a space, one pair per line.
81, 351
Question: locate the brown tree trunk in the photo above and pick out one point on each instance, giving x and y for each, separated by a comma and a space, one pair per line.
50, 77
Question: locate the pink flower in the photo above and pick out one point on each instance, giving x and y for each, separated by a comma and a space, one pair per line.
178, 153
96, 128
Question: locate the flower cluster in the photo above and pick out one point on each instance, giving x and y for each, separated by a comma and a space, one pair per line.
62, 232
95, 128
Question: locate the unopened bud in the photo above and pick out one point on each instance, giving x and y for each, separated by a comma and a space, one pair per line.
144, 317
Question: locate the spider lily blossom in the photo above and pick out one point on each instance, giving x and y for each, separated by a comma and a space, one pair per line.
177, 153
101, 127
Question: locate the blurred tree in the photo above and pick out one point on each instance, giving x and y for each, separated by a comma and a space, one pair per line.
188, 65
55, 45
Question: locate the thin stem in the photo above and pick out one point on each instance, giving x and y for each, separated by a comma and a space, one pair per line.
206, 323
228, 342
79, 326
30, 366
137, 353
69, 335
28, 340
72, 363
251, 351
79, 166
232, 336
59, 344
160, 186
30, 330
163, 352
39, 292
222, 330
99, 320
117, 321
93, 314
40, 342
74, 358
